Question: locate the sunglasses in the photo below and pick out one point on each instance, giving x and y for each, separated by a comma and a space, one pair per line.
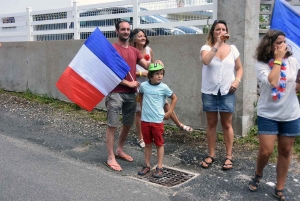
220, 21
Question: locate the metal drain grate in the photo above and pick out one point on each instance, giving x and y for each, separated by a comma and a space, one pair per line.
170, 177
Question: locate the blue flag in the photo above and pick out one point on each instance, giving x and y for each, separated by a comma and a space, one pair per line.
287, 19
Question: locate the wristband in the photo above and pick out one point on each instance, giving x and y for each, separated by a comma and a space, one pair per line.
214, 49
277, 62
238, 79
140, 73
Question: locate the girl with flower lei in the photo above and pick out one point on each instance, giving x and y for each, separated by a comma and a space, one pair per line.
278, 108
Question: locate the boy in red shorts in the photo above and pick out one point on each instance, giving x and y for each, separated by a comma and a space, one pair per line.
153, 95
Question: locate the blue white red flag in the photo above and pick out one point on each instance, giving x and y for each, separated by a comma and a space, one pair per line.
287, 19
95, 71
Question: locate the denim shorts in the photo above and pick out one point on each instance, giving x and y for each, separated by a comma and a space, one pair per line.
282, 128
218, 103
117, 102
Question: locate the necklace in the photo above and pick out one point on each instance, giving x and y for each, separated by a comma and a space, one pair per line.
279, 90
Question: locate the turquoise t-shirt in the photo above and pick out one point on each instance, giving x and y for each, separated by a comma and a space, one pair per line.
154, 99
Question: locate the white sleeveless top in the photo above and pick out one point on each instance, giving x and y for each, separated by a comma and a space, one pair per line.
141, 69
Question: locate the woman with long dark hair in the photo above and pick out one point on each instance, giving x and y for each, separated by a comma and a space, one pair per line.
277, 108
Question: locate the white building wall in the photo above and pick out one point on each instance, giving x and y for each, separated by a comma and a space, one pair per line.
17, 6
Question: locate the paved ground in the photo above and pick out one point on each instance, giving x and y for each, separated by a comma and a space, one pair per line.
80, 137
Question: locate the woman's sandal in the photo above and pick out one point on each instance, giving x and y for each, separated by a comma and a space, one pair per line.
224, 167
186, 128
281, 197
255, 182
207, 163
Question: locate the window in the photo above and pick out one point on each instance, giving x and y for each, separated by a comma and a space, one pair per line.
8, 20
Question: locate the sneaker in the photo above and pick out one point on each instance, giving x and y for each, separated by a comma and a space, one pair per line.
158, 173
141, 143
145, 169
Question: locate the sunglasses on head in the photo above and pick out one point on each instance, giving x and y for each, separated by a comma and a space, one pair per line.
220, 21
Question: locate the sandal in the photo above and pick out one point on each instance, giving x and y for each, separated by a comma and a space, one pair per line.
224, 167
145, 169
207, 163
281, 197
185, 128
141, 143
255, 182
158, 173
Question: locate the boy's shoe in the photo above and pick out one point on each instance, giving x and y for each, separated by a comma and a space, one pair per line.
158, 173
145, 169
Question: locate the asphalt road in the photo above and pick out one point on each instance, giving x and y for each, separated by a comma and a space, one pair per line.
51, 155
32, 172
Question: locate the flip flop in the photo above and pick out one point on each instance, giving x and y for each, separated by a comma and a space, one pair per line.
125, 157
113, 166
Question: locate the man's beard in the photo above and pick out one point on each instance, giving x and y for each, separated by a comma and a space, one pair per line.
123, 39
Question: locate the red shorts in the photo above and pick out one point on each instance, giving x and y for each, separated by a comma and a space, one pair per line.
153, 132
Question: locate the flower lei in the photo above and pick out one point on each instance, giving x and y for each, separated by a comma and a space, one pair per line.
279, 90
147, 57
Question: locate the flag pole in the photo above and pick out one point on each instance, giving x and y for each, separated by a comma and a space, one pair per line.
133, 80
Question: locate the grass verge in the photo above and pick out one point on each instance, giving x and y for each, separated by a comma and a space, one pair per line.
97, 115
251, 140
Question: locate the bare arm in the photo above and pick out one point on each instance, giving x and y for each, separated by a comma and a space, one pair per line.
152, 57
207, 56
239, 73
274, 75
172, 106
145, 64
298, 81
298, 87
141, 99
130, 84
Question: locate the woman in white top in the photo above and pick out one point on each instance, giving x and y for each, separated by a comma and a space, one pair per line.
277, 108
139, 40
222, 72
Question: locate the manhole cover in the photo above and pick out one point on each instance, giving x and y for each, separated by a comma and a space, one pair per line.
171, 177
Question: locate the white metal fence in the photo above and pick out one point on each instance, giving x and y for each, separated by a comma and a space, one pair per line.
156, 17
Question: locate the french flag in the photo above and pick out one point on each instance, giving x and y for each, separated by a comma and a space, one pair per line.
95, 71
287, 19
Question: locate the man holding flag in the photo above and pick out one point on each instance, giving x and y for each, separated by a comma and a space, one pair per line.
122, 98
100, 70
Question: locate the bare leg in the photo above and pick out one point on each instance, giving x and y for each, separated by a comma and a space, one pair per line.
211, 134
173, 115
122, 138
160, 155
147, 153
266, 146
138, 125
226, 122
110, 138
284, 158
176, 120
